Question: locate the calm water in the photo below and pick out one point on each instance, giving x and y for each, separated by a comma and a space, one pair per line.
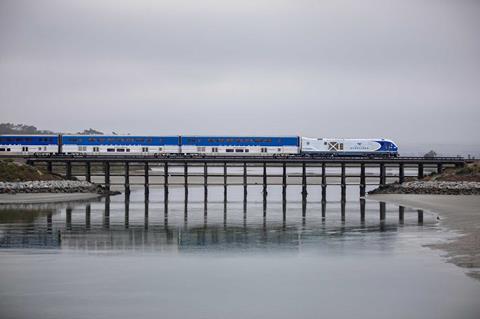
117, 259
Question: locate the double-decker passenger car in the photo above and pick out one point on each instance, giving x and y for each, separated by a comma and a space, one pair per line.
348, 147
240, 145
116, 144
29, 144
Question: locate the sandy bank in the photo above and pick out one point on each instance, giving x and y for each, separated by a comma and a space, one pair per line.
45, 197
460, 213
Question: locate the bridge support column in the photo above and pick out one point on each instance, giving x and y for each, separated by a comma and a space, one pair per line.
165, 182
362, 209
362, 180
284, 182
127, 178
106, 168
68, 218
88, 210
324, 183
342, 210
205, 182
401, 214
420, 216
343, 183
265, 192
324, 210
68, 173
382, 174
245, 182
225, 181
304, 182
49, 167
439, 168
401, 173
382, 211
147, 179
420, 171
185, 180
88, 173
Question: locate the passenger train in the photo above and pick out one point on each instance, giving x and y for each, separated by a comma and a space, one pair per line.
194, 145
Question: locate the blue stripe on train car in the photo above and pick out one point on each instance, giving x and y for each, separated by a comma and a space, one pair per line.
119, 140
28, 140
240, 140
386, 146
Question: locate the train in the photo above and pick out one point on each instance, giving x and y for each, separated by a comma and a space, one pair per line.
179, 145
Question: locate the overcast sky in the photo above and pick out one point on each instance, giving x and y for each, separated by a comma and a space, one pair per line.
407, 70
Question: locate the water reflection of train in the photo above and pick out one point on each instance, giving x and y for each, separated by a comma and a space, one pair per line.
194, 145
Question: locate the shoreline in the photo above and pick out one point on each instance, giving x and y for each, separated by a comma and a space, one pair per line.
460, 213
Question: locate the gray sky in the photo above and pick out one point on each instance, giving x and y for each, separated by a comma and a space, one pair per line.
407, 70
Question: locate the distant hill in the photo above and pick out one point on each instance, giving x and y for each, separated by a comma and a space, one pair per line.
11, 128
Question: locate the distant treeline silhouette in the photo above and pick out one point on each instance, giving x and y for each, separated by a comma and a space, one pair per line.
11, 128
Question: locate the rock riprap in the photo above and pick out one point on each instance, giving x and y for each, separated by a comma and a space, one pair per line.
58, 186
430, 187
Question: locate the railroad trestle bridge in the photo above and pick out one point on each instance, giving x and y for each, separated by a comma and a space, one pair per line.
126, 172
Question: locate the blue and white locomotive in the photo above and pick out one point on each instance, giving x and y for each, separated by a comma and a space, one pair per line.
194, 145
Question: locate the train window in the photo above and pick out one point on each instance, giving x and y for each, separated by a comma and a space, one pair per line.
341, 146
96, 149
120, 150
128, 150
247, 150
110, 150
229, 150
160, 149
2, 150
8, 150
200, 148
239, 150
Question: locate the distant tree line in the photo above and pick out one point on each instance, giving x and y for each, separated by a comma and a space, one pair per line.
11, 128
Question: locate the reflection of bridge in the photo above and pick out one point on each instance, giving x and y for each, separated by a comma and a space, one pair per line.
284, 171
53, 230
